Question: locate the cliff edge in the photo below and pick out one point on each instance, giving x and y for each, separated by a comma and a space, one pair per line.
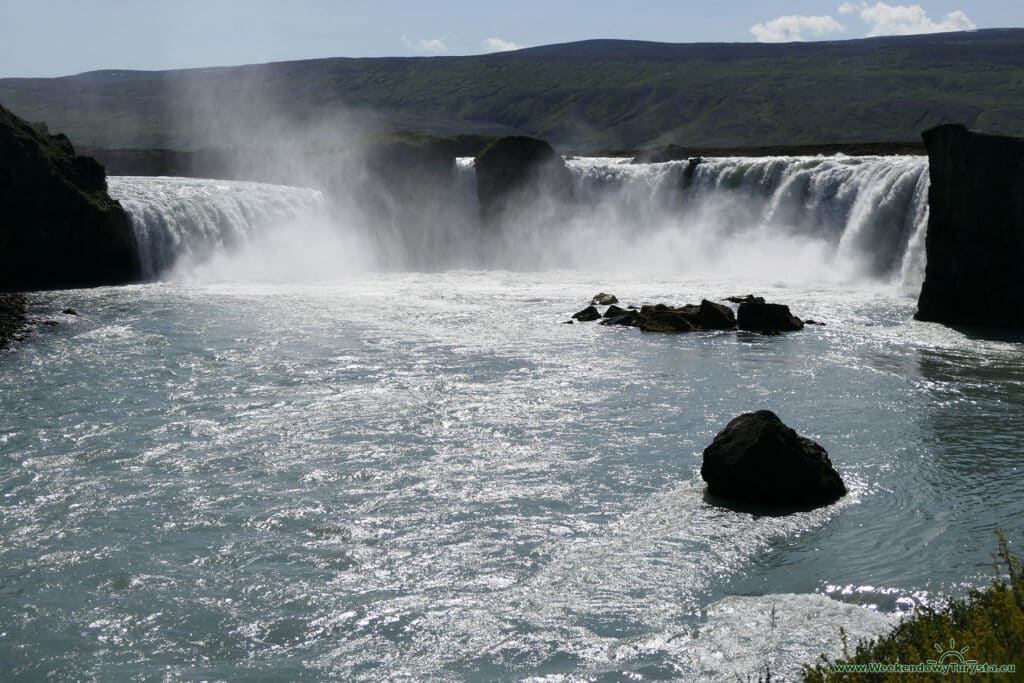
975, 242
58, 226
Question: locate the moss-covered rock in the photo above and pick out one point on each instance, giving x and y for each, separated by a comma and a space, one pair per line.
58, 226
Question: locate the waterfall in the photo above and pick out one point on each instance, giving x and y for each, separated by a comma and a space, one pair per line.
838, 218
868, 215
188, 220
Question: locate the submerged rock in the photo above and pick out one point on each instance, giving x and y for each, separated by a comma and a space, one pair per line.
758, 459
603, 299
58, 225
587, 314
767, 318
975, 240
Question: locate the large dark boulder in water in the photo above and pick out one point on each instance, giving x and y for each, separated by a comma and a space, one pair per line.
587, 314
58, 226
758, 459
975, 242
515, 172
757, 316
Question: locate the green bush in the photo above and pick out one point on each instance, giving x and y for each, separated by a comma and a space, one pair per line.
989, 623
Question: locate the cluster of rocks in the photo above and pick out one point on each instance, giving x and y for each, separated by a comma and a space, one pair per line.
754, 314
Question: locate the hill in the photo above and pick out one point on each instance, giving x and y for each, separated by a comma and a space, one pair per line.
596, 94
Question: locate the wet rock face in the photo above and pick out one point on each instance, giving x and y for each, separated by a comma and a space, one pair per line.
758, 459
757, 316
588, 314
58, 225
706, 316
975, 241
514, 173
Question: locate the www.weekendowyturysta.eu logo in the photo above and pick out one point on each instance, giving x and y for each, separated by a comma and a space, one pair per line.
952, 655
951, 660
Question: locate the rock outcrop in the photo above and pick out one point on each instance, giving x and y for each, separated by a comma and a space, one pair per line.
58, 226
706, 316
975, 242
758, 459
515, 172
755, 315
588, 314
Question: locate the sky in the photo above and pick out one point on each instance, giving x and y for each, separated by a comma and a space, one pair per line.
61, 37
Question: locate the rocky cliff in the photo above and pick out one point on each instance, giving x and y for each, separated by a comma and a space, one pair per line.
513, 173
58, 226
975, 243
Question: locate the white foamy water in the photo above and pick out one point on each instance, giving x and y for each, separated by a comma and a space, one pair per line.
850, 220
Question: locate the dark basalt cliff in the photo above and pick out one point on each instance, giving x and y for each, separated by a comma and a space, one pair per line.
514, 172
58, 226
975, 243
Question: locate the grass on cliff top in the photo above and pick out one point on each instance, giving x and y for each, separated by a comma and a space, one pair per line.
989, 622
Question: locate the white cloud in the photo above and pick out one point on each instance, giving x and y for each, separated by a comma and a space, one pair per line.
791, 28
847, 8
499, 45
888, 20
433, 46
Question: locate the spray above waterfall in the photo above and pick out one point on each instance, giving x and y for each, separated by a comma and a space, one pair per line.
810, 219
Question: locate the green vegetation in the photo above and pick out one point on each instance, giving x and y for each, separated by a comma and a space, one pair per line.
990, 623
585, 96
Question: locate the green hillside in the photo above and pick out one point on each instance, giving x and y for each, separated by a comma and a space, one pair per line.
599, 94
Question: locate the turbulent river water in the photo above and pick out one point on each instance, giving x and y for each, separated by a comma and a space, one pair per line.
248, 471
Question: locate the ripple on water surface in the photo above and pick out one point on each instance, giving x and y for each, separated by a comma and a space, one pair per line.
238, 480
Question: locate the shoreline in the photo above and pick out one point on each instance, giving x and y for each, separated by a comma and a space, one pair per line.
13, 319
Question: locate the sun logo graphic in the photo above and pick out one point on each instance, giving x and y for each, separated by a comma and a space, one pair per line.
952, 655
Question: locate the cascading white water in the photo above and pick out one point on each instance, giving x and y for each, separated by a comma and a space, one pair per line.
191, 220
805, 218
861, 217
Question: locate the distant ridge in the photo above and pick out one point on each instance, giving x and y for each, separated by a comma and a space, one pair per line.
593, 94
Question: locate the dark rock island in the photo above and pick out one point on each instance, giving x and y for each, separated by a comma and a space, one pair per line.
975, 242
758, 459
58, 226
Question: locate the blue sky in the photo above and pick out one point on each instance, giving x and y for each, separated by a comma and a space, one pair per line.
70, 36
